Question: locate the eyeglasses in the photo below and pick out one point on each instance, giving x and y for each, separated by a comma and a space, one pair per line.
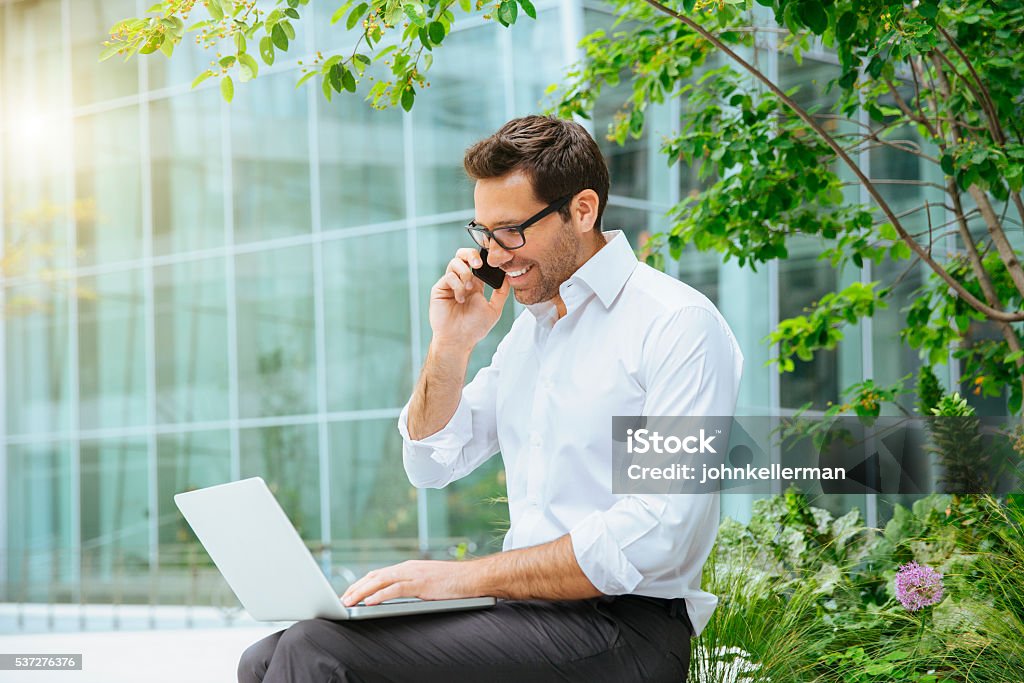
512, 237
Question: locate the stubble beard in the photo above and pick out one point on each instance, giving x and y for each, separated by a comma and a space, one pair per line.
555, 270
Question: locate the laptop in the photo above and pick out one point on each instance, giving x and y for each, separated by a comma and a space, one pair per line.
263, 559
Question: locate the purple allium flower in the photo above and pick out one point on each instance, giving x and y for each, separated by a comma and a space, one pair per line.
918, 586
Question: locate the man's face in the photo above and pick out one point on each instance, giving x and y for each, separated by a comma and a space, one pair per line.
553, 249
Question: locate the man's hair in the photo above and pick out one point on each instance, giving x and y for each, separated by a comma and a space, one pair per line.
559, 157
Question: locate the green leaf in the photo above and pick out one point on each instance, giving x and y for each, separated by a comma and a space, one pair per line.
278, 37
339, 13
507, 12
167, 47
528, 8
813, 15
266, 50
360, 57
215, 11
348, 80
408, 97
110, 51
292, 12
334, 76
227, 88
289, 30
202, 77
688, 5
946, 162
466, 5
415, 13
846, 25
227, 61
240, 42
356, 15
436, 32
305, 78
248, 67
153, 45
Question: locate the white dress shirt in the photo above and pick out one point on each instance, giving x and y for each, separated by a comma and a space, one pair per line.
633, 341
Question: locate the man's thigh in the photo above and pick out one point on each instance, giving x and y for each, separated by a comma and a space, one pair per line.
587, 640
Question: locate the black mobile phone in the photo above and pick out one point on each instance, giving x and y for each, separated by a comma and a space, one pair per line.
495, 277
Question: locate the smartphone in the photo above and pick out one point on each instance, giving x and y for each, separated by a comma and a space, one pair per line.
495, 277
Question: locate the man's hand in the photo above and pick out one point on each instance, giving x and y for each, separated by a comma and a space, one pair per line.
460, 314
425, 579
543, 572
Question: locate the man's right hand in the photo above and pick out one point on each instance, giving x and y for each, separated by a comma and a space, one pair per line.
460, 314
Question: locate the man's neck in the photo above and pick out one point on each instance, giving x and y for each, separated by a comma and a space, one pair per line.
596, 246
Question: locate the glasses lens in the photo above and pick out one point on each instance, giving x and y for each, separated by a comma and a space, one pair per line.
509, 238
479, 236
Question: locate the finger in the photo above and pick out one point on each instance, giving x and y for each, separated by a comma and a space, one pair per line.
402, 589
470, 256
357, 593
498, 296
460, 268
457, 287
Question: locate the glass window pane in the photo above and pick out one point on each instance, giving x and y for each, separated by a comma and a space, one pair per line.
537, 60
368, 364
472, 510
107, 172
38, 502
276, 348
188, 174
362, 172
286, 457
186, 462
459, 109
111, 351
271, 159
371, 498
115, 514
34, 137
191, 329
38, 358
93, 80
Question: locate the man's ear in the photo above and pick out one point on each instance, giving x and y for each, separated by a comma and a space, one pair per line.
584, 207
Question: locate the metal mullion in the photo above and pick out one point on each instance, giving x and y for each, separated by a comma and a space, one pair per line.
412, 256
235, 464
323, 451
75, 444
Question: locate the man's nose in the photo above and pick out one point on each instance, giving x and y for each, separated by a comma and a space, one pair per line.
497, 255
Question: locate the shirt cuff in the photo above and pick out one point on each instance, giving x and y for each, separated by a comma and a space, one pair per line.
600, 557
444, 445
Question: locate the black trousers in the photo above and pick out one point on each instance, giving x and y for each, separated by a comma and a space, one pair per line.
618, 639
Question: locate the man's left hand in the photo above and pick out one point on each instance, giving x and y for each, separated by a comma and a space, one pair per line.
425, 579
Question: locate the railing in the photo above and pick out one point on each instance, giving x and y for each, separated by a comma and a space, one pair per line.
100, 589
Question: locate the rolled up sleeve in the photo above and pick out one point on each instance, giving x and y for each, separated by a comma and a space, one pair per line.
692, 368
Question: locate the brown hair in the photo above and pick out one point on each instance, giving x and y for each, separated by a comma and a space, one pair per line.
558, 156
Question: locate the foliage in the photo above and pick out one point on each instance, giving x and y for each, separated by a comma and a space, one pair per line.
837, 579
401, 33
936, 81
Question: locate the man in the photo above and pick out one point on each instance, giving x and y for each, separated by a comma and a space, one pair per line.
596, 586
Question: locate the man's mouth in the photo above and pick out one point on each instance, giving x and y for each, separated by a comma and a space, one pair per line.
514, 275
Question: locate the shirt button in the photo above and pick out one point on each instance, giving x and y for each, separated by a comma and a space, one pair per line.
535, 440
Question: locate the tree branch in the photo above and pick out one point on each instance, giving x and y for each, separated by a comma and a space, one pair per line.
961, 291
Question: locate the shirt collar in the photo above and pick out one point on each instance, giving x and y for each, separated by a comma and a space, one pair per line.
604, 274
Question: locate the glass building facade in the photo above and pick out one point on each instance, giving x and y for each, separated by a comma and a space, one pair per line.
195, 292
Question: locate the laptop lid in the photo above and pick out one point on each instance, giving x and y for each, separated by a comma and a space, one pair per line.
259, 552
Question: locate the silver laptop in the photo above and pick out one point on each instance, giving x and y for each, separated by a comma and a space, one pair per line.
268, 566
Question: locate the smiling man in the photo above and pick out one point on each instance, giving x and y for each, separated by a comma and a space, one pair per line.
596, 586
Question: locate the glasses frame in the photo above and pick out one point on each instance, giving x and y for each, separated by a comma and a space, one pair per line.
474, 229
